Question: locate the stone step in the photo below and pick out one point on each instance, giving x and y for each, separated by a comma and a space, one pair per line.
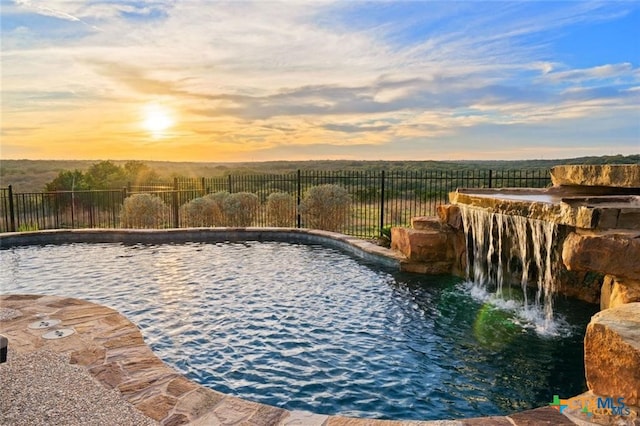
426, 223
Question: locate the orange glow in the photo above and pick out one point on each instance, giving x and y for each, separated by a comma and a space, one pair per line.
157, 120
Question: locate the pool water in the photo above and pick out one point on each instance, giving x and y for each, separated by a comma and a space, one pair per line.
306, 327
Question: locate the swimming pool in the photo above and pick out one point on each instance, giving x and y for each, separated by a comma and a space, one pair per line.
307, 327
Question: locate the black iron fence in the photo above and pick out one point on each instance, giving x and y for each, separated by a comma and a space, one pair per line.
378, 199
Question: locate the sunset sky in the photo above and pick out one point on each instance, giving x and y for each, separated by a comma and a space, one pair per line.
200, 80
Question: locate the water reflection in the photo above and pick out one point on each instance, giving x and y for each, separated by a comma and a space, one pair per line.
306, 327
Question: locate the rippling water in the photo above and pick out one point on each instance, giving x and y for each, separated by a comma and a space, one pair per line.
311, 328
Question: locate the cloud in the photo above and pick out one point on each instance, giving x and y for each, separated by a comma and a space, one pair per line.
10, 130
54, 9
600, 72
270, 74
47, 11
351, 128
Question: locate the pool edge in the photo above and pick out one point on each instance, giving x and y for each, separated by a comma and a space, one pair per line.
356, 246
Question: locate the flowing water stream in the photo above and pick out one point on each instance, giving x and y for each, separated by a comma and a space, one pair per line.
503, 250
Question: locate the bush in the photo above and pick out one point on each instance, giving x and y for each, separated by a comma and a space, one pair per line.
326, 207
385, 236
221, 209
217, 200
198, 212
281, 209
143, 211
240, 208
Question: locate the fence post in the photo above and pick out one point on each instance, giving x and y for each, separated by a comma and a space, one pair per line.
56, 198
381, 203
490, 177
229, 179
176, 208
92, 197
117, 223
299, 200
203, 190
73, 208
12, 212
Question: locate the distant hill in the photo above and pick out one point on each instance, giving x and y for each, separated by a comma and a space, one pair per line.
32, 175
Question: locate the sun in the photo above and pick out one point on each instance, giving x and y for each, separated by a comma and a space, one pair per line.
157, 119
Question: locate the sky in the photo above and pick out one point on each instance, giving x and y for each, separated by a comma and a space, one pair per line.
202, 80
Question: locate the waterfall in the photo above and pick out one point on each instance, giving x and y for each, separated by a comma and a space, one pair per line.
505, 249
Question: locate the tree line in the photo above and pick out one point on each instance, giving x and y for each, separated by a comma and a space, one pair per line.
110, 175
102, 175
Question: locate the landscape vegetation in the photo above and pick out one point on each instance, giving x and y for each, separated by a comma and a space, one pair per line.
360, 198
34, 175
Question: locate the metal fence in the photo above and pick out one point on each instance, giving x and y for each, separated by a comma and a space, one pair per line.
378, 199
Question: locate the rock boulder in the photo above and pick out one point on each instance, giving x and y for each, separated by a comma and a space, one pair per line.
426, 223
450, 214
610, 175
612, 353
431, 248
613, 254
616, 292
422, 245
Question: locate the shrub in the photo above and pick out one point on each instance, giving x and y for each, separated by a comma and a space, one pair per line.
26, 227
198, 212
281, 209
143, 211
240, 208
221, 209
326, 207
385, 236
217, 200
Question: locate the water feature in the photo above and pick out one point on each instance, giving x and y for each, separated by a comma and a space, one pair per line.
309, 327
507, 249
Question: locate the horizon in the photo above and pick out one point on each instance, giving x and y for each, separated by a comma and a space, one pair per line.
240, 82
124, 160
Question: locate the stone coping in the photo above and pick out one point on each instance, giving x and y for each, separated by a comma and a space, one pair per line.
358, 247
112, 350
621, 211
